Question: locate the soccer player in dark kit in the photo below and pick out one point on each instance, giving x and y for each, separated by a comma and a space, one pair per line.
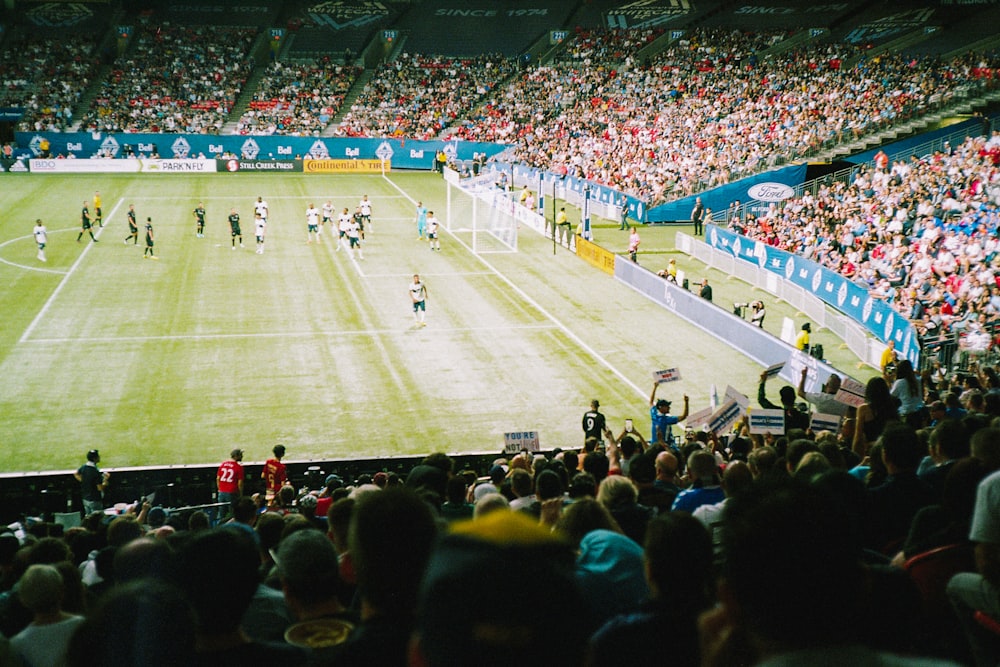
148, 252
85, 224
199, 216
234, 228
133, 226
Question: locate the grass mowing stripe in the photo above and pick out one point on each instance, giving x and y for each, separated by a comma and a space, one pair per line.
562, 327
277, 334
52, 297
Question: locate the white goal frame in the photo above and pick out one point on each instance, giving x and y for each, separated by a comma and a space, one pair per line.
494, 224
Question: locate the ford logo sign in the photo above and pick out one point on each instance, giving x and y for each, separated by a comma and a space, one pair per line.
770, 192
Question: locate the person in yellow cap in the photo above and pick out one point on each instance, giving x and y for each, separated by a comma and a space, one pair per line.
538, 625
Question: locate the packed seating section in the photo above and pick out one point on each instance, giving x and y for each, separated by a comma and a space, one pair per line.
299, 99
45, 81
174, 78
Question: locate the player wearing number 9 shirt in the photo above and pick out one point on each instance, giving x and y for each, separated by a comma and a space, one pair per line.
593, 422
230, 478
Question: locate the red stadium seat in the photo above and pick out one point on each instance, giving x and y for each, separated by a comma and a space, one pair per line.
931, 571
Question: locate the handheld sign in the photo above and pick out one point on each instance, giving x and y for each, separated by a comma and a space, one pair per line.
518, 440
732, 394
668, 375
851, 393
774, 369
697, 419
726, 416
767, 421
824, 422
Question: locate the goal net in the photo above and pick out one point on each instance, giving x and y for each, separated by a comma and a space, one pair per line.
479, 208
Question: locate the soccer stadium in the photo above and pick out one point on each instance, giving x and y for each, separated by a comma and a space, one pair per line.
341, 310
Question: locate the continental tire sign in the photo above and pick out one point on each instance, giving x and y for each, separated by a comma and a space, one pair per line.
345, 166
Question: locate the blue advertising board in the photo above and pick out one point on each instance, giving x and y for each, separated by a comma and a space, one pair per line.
719, 199
11, 114
401, 153
848, 297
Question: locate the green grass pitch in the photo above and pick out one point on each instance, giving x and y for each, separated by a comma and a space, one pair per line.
178, 360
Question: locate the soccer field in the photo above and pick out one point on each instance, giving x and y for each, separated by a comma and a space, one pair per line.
177, 360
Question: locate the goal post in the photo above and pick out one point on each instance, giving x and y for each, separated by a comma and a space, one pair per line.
478, 206
496, 229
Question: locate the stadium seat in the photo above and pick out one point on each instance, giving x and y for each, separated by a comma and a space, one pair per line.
988, 623
931, 571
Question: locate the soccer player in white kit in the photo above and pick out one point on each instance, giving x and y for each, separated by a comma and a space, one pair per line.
418, 295
343, 222
327, 217
366, 212
354, 238
41, 238
260, 208
312, 224
432, 231
260, 224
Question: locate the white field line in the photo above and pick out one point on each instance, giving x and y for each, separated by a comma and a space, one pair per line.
62, 283
559, 325
40, 269
282, 334
454, 274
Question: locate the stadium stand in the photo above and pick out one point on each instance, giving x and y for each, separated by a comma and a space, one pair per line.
46, 77
605, 46
174, 78
462, 29
419, 96
920, 234
297, 99
311, 41
676, 127
334, 30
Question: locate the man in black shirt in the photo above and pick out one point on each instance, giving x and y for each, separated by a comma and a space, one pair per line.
93, 482
593, 422
697, 216
199, 215
133, 226
234, 228
85, 224
706, 290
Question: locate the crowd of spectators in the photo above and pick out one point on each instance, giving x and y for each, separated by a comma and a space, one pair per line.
298, 99
606, 45
618, 546
419, 96
920, 234
174, 78
46, 76
706, 109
